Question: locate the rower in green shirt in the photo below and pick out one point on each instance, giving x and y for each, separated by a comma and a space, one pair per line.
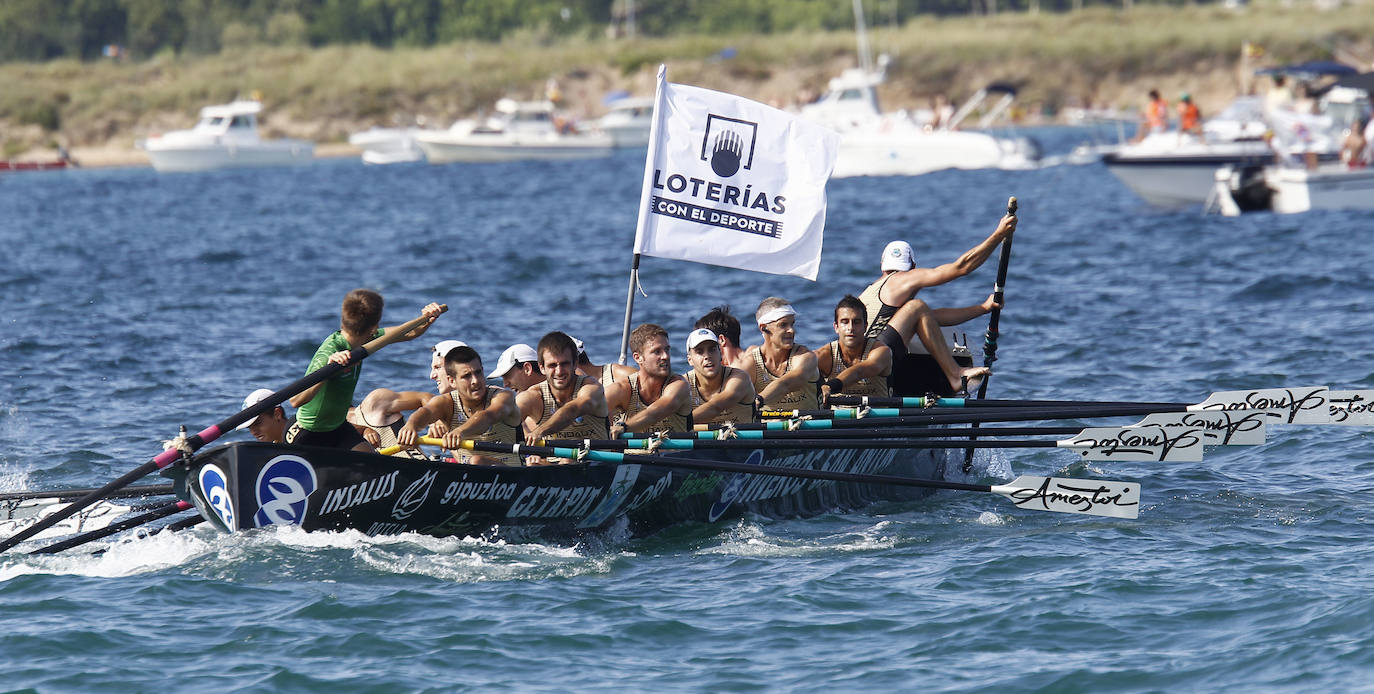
322, 409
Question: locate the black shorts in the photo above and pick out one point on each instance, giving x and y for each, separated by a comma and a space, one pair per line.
343, 436
915, 374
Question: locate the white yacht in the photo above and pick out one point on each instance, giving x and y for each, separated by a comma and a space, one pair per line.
225, 137
874, 143
387, 145
628, 121
520, 130
1173, 170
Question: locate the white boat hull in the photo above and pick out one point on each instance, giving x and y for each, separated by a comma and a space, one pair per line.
441, 148
1327, 188
208, 157
911, 152
1176, 178
387, 145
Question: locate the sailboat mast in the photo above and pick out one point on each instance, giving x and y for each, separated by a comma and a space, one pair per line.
860, 28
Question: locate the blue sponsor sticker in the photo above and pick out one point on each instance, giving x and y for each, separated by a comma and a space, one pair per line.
216, 491
733, 487
283, 489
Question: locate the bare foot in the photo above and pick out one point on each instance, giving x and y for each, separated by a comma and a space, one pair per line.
971, 374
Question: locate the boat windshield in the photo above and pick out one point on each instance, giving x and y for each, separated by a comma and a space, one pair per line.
241, 122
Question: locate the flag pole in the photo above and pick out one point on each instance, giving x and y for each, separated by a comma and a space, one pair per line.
655, 130
629, 308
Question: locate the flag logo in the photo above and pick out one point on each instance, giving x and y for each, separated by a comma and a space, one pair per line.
732, 182
728, 144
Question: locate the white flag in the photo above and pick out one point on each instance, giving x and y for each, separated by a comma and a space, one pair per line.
732, 182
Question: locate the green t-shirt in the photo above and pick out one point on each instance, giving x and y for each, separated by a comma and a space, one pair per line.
329, 408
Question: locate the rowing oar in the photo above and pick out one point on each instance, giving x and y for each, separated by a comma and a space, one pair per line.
1137, 443
930, 401
1093, 497
826, 419
1233, 428
64, 494
192, 444
155, 514
982, 414
990, 336
874, 432
1293, 405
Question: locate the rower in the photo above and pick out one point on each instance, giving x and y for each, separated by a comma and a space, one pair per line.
322, 409
726, 327
720, 393
652, 398
783, 372
382, 413
566, 403
606, 373
896, 315
270, 426
518, 368
469, 409
854, 364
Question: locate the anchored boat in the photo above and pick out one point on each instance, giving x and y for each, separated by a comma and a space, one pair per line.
226, 137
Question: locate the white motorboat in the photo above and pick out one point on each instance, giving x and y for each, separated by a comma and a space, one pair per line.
1292, 189
898, 144
226, 137
873, 143
387, 145
520, 130
1173, 170
1327, 187
628, 121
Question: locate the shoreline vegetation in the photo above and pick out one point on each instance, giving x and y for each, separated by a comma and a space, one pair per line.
1095, 57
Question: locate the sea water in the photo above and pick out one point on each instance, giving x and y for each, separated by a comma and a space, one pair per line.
132, 303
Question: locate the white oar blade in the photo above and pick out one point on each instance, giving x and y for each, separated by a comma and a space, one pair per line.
1143, 444
97, 516
1219, 427
1305, 405
1351, 407
1091, 497
16, 509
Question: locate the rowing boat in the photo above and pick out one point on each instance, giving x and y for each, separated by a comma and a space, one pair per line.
252, 485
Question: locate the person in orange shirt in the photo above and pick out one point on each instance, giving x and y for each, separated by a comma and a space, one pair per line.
1156, 116
1189, 118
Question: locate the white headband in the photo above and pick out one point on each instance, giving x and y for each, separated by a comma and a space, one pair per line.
777, 314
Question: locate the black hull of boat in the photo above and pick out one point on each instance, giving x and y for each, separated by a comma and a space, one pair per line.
249, 485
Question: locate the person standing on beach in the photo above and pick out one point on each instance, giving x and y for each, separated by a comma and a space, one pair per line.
322, 409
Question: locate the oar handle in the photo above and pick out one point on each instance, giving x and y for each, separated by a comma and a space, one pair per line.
998, 295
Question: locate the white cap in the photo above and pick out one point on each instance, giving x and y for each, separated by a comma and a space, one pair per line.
699, 336
442, 349
898, 256
581, 348
253, 398
513, 355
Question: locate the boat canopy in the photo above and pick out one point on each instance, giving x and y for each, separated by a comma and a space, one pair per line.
1310, 69
236, 108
